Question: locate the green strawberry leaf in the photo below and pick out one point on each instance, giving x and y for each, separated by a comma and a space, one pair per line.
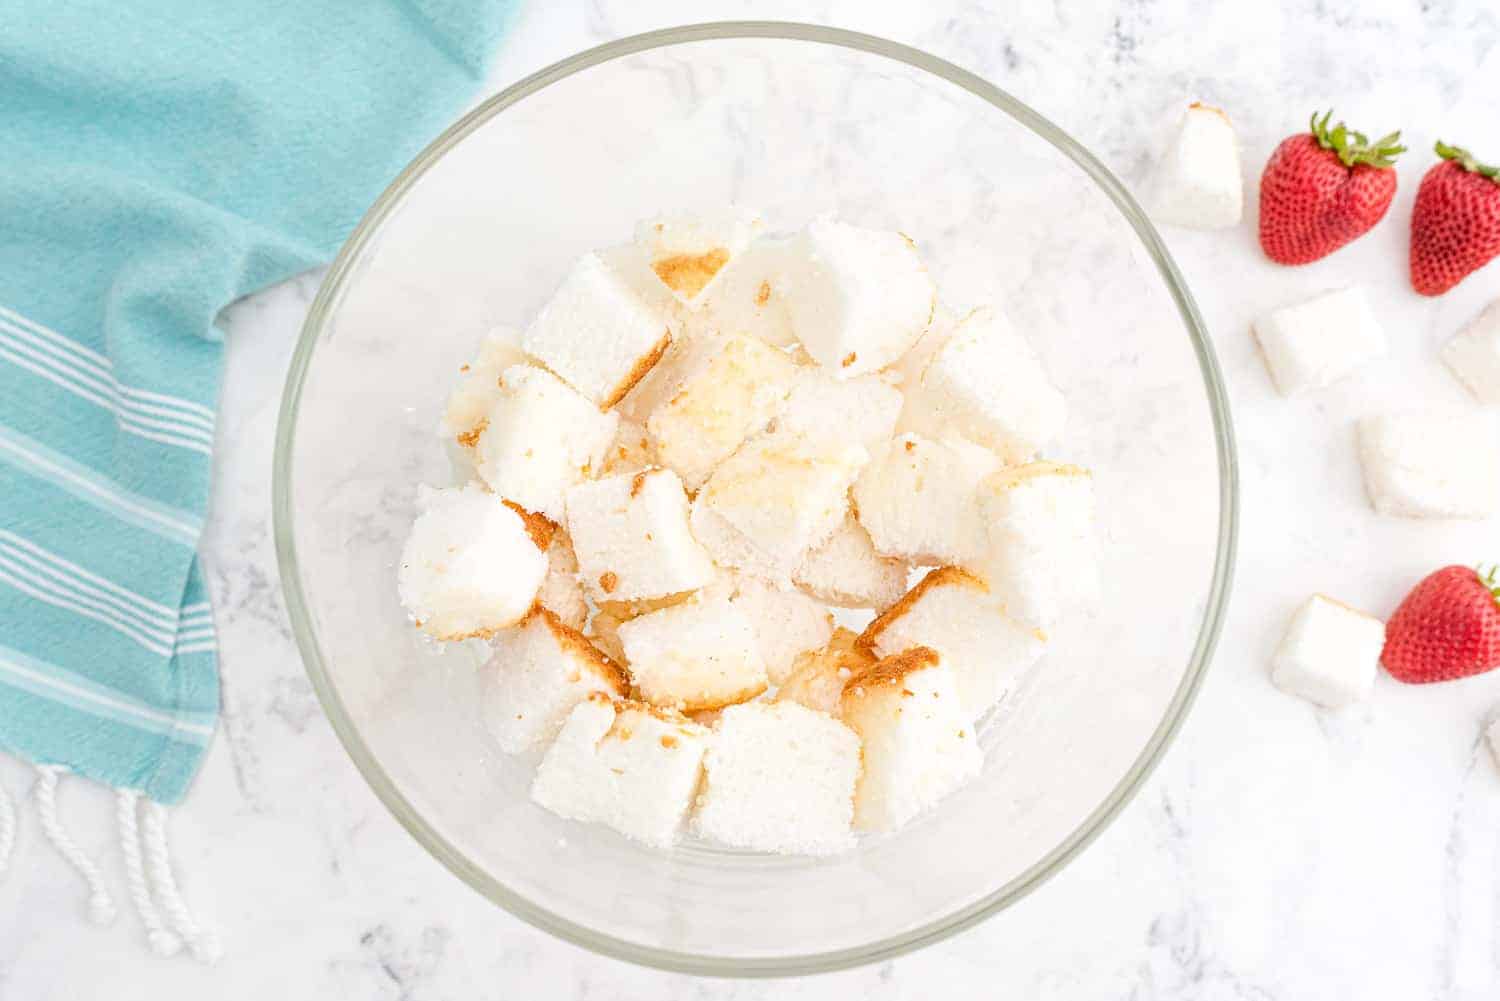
1353, 147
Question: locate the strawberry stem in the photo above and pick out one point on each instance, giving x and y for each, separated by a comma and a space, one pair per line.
1488, 578
1466, 160
1353, 147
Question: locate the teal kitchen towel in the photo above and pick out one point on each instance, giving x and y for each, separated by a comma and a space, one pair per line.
159, 159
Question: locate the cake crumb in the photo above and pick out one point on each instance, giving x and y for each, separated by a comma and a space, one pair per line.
470, 438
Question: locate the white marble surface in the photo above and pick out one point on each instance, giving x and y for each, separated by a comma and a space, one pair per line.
1277, 853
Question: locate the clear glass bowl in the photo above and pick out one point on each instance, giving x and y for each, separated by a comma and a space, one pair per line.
795, 120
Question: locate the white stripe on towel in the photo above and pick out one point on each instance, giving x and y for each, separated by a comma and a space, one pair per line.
87, 358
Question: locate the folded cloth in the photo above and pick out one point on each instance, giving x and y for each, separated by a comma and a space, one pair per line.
161, 159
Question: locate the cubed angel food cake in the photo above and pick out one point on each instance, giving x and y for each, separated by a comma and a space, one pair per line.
714, 444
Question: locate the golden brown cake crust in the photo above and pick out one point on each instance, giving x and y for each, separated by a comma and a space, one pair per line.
540, 528
636, 374
893, 670
941, 577
688, 274
580, 646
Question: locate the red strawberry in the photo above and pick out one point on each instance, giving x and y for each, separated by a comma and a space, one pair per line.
1455, 224
1323, 188
1447, 627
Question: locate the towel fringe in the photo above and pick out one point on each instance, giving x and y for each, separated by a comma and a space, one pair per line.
205, 945
101, 905
163, 942
152, 886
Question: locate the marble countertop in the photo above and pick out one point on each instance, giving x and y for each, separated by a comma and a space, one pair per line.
1278, 852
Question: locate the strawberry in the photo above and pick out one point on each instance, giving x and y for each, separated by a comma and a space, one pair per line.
1447, 627
1455, 224
1323, 188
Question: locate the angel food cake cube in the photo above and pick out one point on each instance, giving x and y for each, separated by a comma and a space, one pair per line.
1198, 183
539, 439
723, 390
605, 327
688, 252
1432, 465
469, 567
847, 571
1474, 355
701, 654
987, 384
779, 777
1043, 557
863, 409
953, 612
749, 295
539, 671
631, 536
818, 677
773, 500
858, 298
918, 499
917, 742
1329, 653
1317, 342
627, 765
787, 623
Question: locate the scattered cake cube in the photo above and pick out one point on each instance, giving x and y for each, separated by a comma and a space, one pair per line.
626, 765
632, 450
1043, 557
917, 740
1317, 342
700, 654
689, 252
858, 298
1329, 653
541, 438
953, 612
779, 777
749, 295
561, 593
605, 326
987, 383
539, 671
723, 390
631, 535
1198, 183
787, 623
469, 566
479, 383
848, 572
918, 500
773, 500
1474, 355
863, 409
1432, 465
818, 676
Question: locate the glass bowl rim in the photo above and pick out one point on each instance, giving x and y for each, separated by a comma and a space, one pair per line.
536, 914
